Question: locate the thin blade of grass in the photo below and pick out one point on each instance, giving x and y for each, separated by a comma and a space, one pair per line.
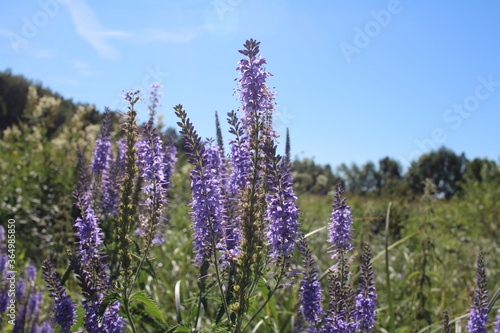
177, 293
392, 326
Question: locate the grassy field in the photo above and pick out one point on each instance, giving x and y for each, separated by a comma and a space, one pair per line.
424, 248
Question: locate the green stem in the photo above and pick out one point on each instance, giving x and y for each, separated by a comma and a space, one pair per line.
219, 282
198, 311
269, 296
127, 310
392, 326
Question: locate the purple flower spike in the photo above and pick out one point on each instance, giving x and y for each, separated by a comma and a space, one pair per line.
207, 213
64, 308
240, 160
112, 322
150, 159
282, 212
339, 229
102, 151
479, 311
154, 100
497, 323
256, 97
31, 272
88, 233
310, 293
207, 205
366, 298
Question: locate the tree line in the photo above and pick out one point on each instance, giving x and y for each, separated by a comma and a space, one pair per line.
447, 170
444, 168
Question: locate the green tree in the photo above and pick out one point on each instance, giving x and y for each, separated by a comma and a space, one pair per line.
481, 170
445, 168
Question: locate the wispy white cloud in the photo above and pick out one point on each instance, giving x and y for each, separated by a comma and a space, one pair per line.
89, 28
83, 68
161, 35
65, 80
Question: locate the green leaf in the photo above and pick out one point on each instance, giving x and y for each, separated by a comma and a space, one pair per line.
151, 307
271, 305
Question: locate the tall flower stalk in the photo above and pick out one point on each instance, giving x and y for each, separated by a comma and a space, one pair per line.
64, 307
206, 204
127, 209
257, 105
366, 298
479, 311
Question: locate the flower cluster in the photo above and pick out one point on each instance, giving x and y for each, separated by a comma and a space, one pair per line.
339, 229
102, 151
207, 201
64, 307
366, 299
479, 311
256, 97
311, 293
150, 159
282, 211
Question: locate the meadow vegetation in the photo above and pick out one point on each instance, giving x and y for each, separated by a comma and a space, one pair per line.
170, 232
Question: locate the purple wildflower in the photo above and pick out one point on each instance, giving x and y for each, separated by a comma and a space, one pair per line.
3, 264
46, 328
339, 229
90, 287
31, 272
20, 289
216, 167
132, 96
310, 287
64, 308
479, 311
257, 98
240, 159
365, 300
497, 323
337, 324
207, 202
215, 161
112, 322
282, 211
207, 212
88, 233
34, 302
154, 100
19, 323
150, 159
102, 151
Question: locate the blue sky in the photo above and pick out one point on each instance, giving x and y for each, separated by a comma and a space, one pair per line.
355, 80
